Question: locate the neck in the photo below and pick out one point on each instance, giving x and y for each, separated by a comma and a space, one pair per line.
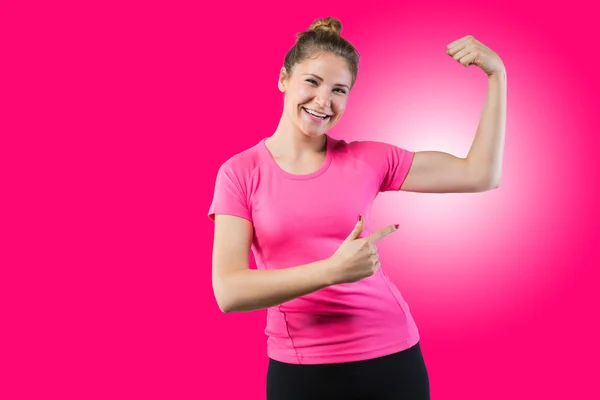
288, 140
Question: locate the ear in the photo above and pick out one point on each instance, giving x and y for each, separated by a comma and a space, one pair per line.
282, 80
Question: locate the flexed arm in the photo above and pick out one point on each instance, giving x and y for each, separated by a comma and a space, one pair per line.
481, 170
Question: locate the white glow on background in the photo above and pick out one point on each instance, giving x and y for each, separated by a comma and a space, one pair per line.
481, 251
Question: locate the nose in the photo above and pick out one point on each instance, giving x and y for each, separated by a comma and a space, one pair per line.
323, 99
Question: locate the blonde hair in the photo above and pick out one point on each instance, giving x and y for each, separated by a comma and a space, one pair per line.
323, 35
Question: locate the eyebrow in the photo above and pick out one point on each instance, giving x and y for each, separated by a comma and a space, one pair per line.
337, 84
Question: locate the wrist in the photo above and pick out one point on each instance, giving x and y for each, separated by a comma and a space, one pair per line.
328, 272
498, 75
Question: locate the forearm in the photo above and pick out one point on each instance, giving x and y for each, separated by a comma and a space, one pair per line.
485, 155
249, 290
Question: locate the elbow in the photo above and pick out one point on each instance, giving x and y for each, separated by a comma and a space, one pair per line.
225, 305
484, 179
487, 183
491, 183
225, 309
224, 301
227, 293
496, 183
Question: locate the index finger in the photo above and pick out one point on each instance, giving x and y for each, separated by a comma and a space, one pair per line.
380, 234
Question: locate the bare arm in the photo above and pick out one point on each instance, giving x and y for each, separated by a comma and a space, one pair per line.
481, 170
238, 288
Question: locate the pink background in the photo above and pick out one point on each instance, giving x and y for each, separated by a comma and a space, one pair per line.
117, 117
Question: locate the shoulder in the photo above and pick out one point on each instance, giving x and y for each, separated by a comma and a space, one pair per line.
244, 163
366, 150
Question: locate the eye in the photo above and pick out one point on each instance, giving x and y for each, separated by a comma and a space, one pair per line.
314, 82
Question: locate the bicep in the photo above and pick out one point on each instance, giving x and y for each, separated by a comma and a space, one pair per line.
231, 248
439, 172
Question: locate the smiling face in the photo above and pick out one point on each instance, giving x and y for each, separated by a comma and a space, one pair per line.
316, 93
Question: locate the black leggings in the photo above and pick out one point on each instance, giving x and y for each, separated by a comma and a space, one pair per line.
399, 376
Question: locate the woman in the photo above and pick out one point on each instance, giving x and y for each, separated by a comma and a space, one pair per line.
337, 327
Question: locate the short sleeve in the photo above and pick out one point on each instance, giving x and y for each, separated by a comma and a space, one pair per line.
390, 163
397, 162
230, 195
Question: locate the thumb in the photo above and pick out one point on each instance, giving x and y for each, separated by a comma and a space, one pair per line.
357, 229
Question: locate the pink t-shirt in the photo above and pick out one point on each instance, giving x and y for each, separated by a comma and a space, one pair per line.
300, 219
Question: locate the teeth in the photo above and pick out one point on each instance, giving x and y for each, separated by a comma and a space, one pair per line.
315, 113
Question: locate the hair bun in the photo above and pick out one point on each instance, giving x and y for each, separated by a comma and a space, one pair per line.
329, 24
